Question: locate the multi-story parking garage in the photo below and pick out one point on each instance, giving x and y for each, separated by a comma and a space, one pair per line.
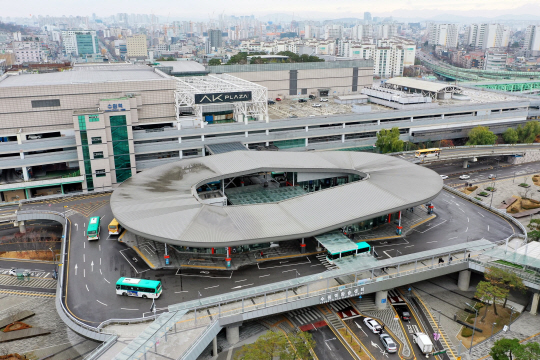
95, 126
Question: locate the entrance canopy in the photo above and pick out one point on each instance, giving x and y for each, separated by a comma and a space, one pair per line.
335, 242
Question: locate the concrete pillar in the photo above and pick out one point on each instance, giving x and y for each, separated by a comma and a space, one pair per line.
534, 305
25, 173
22, 229
233, 334
303, 247
62, 188
465, 163
412, 120
381, 299
464, 280
214, 347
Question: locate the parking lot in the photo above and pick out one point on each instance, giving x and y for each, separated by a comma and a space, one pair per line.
291, 108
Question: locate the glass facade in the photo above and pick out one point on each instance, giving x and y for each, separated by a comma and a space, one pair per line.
87, 44
287, 144
86, 153
122, 161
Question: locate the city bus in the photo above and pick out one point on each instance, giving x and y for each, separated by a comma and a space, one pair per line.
93, 228
147, 289
361, 247
427, 152
114, 227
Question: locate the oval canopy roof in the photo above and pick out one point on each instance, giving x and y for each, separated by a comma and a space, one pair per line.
162, 203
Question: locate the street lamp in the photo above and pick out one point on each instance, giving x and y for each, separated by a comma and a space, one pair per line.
53, 257
492, 326
511, 313
474, 328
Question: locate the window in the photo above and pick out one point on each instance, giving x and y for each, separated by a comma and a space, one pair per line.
96, 140
98, 154
93, 118
100, 173
45, 103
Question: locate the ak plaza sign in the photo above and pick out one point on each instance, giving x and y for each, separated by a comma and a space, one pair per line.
219, 98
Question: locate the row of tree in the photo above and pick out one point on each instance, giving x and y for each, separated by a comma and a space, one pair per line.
242, 58
511, 349
388, 139
277, 345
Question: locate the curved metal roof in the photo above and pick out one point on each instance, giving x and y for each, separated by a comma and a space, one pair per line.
430, 86
161, 203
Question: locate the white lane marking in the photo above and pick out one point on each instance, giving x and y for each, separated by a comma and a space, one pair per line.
467, 229
468, 220
178, 292
316, 265
241, 280
101, 303
128, 260
455, 237
385, 251
267, 275
481, 214
429, 242
99, 247
408, 246
87, 287
211, 287
434, 226
240, 286
106, 280
84, 245
84, 272
129, 309
288, 270
84, 257
100, 272
99, 261
488, 227
461, 209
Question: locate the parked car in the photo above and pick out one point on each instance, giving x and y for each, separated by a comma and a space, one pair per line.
302, 100
34, 136
316, 105
388, 343
271, 102
464, 177
311, 97
372, 325
14, 272
404, 314
323, 100
444, 177
278, 99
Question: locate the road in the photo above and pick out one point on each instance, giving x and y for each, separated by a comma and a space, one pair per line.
370, 340
329, 345
466, 153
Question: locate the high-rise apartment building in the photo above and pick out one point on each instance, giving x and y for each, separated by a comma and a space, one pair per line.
487, 36
214, 36
360, 32
136, 46
532, 39
80, 42
367, 16
495, 61
443, 34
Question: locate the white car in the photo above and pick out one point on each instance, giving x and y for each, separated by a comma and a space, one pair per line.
316, 105
388, 343
323, 100
444, 177
464, 177
13, 272
372, 325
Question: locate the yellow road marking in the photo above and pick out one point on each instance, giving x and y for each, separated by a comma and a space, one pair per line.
29, 293
290, 256
423, 221
362, 346
205, 266
381, 238
144, 257
346, 346
404, 332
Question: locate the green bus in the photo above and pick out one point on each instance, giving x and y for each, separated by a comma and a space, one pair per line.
147, 289
361, 247
92, 232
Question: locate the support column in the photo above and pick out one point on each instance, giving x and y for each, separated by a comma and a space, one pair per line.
430, 208
399, 227
228, 258
465, 163
214, 347
233, 334
534, 305
25, 173
464, 280
62, 188
303, 247
166, 256
381, 299
22, 228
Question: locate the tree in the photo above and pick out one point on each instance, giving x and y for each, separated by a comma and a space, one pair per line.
502, 349
529, 132
510, 136
530, 351
487, 292
214, 62
388, 140
277, 344
481, 135
507, 280
301, 343
447, 143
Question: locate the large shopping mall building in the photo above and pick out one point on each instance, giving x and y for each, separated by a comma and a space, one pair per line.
98, 125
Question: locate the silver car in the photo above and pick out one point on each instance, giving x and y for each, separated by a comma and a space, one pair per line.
388, 343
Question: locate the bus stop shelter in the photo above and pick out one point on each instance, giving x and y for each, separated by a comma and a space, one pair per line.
336, 243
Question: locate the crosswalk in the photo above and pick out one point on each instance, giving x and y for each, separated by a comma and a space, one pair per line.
33, 274
25, 293
327, 265
304, 316
31, 282
395, 298
340, 305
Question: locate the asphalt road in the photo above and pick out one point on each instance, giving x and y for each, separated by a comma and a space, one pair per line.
370, 340
329, 346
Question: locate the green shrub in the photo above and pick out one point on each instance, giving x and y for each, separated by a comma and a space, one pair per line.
477, 198
483, 193
489, 188
466, 332
524, 184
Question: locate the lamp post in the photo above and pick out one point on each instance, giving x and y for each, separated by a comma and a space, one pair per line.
474, 328
53, 257
492, 326
511, 313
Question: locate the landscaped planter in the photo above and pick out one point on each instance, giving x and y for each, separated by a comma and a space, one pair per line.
525, 185
490, 189
477, 198
484, 194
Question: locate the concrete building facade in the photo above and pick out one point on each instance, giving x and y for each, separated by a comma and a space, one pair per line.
532, 39
487, 36
136, 46
443, 34
80, 42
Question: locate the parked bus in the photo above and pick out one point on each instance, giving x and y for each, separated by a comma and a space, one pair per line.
147, 289
427, 152
93, 228
361, 247
114, 227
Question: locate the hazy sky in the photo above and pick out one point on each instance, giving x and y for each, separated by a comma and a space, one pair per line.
304, 9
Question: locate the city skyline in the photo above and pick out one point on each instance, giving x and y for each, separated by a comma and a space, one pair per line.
314, 10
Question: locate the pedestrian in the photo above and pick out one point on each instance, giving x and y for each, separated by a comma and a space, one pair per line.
469, 256
441, 261
262, 254
382, 328
450, 260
